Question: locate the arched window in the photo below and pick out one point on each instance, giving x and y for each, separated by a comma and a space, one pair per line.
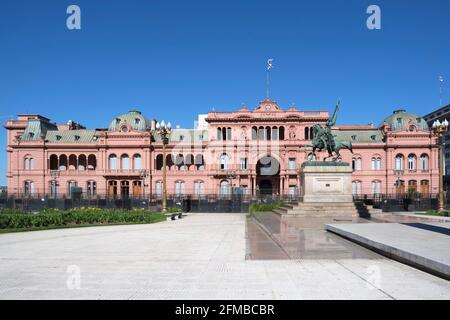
199, 162
311, 133
125, 162
281, 133
306, 133
399, 162
424, 162
228, 133
224, 161
53, 162
268, 133
28, 163
179, 161
254, 133
357, 163
179, 188
92, 162
170, 160
274, 133
261, 132
375, 163
73, 162
159, 162
199, 187
137, 162
112, 162
219, 133
82, 162
189, 160
411, 162
376, 187
225, 187
63, 162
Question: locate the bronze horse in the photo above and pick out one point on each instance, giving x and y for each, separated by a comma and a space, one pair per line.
321, 141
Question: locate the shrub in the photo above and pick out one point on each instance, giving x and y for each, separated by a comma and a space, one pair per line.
82, 216
433, 212
264, 207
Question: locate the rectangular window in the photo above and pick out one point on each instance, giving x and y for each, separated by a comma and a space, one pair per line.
243, 165
292, 164
159, 188
292, 190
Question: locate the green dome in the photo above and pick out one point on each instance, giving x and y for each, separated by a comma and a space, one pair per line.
400, 118
133, 118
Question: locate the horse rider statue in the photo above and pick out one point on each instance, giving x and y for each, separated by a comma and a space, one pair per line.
323, 139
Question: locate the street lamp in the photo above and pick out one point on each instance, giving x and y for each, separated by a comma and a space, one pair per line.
439, 128
164, 132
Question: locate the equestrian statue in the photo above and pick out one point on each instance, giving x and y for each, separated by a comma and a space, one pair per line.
323, 139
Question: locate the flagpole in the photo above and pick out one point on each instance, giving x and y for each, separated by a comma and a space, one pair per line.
269, 66
441, 80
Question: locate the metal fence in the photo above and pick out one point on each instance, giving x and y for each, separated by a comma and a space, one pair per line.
401, 202
205, 203
188, 203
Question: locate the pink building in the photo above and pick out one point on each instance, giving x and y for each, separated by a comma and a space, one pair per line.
252, 151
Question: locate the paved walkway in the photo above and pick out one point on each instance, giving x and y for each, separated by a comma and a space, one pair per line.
199, 257
423, 244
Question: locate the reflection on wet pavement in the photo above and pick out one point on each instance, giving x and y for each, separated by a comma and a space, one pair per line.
260, 245
306, 238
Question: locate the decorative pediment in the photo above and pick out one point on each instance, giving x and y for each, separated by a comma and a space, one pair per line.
268, 106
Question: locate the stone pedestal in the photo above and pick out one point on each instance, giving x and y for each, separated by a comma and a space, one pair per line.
325, 182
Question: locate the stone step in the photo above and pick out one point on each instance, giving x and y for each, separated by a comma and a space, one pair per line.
320, 212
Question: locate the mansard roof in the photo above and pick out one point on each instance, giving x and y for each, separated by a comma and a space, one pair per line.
190, 135
400, 119
133, 118
37, 128
72, 136
370, 136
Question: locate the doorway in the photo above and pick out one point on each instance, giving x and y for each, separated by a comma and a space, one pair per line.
112, 188
125, 188
137, 187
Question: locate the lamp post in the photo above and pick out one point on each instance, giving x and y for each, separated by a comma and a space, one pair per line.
164, 132
143, 174
439, 128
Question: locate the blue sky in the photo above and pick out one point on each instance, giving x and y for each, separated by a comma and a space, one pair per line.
175, 59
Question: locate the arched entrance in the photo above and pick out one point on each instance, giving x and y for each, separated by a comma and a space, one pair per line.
268, 176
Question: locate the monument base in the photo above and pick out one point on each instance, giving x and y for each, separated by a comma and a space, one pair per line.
326, 182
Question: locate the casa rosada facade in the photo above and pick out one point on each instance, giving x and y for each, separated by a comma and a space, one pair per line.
253, 152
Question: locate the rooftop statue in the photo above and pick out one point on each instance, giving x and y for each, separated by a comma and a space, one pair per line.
323, 139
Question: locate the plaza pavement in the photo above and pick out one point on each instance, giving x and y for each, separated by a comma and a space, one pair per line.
199, 257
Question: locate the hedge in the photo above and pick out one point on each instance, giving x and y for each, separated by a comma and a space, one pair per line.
264, 207
54, 218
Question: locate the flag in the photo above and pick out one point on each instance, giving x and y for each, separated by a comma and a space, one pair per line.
441, 79
269, 64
